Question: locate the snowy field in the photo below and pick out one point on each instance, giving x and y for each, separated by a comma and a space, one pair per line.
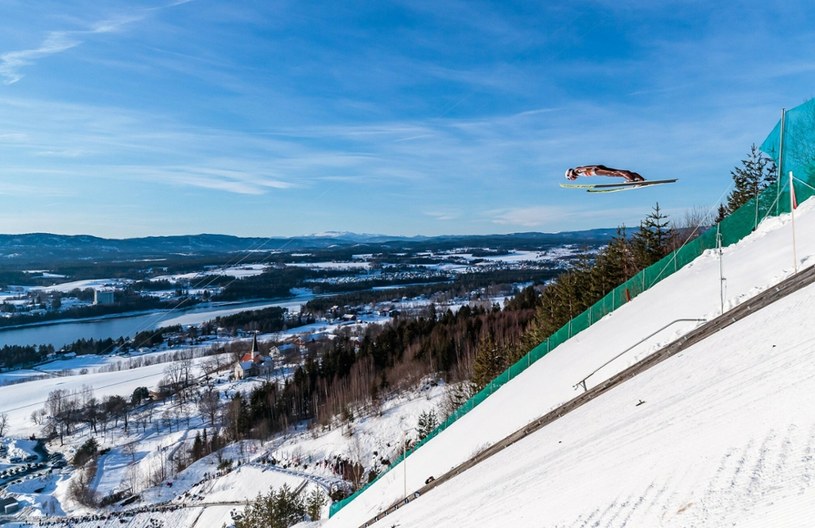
750, 266
155, 435
201, 495
239, 272
347, 265
95, 284
107, 376
194, 318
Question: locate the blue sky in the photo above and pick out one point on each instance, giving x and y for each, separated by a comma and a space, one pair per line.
280, 118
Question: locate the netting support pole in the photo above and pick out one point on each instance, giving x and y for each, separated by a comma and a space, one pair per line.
780, 163
721, 271
792, 214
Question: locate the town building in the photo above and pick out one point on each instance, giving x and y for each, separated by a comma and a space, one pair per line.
103, 297
253, 363
8, 505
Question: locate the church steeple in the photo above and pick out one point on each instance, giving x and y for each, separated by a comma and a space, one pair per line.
255, 351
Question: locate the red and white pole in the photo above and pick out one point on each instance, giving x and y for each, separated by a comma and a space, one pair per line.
793, 206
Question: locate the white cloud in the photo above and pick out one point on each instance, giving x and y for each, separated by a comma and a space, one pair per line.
443, 215
12, 62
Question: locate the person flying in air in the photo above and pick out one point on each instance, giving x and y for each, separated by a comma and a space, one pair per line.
602, 170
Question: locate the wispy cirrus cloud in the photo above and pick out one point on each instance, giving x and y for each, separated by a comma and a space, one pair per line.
223, 180
443, 216
13, 62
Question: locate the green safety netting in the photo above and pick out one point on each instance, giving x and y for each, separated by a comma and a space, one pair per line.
798, 152
792, 145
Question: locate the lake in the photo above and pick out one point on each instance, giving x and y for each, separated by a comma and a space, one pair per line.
61, 334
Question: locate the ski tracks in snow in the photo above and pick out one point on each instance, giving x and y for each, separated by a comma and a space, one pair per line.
747, 476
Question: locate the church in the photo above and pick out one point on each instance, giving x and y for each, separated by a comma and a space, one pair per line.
253, 363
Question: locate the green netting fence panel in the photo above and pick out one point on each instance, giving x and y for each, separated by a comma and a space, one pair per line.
798, 153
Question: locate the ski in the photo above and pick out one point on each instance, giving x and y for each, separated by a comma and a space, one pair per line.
616, 189
613, 187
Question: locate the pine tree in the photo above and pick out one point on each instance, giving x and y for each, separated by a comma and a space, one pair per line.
756, 173
489, 361
614, 265
197, 450
721, 213
455, 395
427, 423
653, 240
314, 504
277, 509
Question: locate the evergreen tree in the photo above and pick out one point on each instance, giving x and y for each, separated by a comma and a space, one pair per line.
614, 265
314, 504
654, 238
489, 361
86, 451
427, 423
277, 509
197, 450
455, 396
573, 292
756, 173
721, 214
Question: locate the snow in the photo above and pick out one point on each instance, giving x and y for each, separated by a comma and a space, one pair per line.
725, 428
293, 305
368, 433
246, 270
95, 284
725, 435
715, 398
331, 265
108, 375
199, 496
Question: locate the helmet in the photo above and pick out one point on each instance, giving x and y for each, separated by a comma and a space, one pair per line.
570, 174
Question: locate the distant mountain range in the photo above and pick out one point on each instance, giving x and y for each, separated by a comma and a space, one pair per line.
46, 247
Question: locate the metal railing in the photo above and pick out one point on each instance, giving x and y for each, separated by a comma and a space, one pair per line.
635, 345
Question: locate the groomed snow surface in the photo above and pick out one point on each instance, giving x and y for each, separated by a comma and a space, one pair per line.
726, 436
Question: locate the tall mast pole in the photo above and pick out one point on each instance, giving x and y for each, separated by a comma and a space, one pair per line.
780, 163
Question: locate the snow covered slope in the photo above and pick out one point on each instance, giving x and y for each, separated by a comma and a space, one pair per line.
725, 437
754, 264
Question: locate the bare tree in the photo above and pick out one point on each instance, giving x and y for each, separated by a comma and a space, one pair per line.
135, 479
57, 410
116, 407
80, 487
209, 403
38, 417
179, 376
210, 366
356, 455
3, 423
694, 221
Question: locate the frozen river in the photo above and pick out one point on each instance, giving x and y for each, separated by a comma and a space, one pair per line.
61, 334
